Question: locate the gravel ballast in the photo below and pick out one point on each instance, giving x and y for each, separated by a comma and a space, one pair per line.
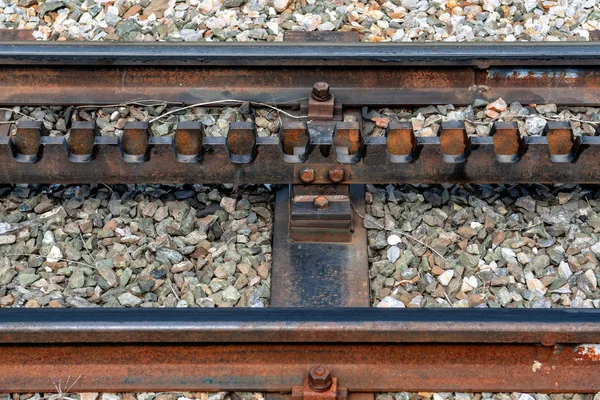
162, 118
267, 20
135, 246
484, 246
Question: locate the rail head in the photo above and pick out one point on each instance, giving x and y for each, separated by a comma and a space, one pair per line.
281, 54
294, 325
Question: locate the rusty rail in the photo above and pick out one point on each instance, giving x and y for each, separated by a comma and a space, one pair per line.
358, 76
272, 349
333, 84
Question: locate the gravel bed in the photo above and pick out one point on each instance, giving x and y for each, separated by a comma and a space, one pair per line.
480, 116
135, 246
111, 120
267, 20
502, 246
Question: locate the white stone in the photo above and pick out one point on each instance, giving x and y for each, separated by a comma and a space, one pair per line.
281, 5
535, 125
564, 270
88, 396
445, 278
591, 277
128, 299
393, 253
506, 252
48, 238
54, 255
390, 302
5, 227
393, 240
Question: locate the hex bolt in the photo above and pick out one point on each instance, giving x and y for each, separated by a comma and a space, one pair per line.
320, 202
319, 378
307, 175
320, 91
336, 174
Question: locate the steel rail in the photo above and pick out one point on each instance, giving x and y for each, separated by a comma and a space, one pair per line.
76, 73
300, 325
308, 54
271, 349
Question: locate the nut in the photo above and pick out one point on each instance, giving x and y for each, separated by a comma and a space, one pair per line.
320, 91
307, 175
321, 202
319, 378
336, 175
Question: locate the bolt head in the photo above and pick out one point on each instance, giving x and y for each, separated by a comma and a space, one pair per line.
307, 175
319, 378
336, 175
320, 91
321, 202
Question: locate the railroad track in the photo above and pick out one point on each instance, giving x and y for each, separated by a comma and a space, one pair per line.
320, 279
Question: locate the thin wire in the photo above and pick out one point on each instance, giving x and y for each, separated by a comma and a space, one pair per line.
208, 103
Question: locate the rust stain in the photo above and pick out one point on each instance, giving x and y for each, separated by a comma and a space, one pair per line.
453, 141
506, 141
135, 138
81, 140
241, 140
588, 352
292, 138
188, 140
348, 137
401, 141
27, 139
560, 141
16, 34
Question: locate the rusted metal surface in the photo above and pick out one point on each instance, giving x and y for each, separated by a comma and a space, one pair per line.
188, 138
81, 138
453, 139
320, 214
279, 367
16, 34
307, 175
135, 138
401, 139
507, 141
27, 137
294, 135
384, 86
336, 174
588, 352
347, 142
319, 385
534, 164
272, 349
319, 255
241, 142
561, 141
321, 102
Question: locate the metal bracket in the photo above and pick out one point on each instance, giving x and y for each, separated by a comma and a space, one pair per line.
319, 385
321, 213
